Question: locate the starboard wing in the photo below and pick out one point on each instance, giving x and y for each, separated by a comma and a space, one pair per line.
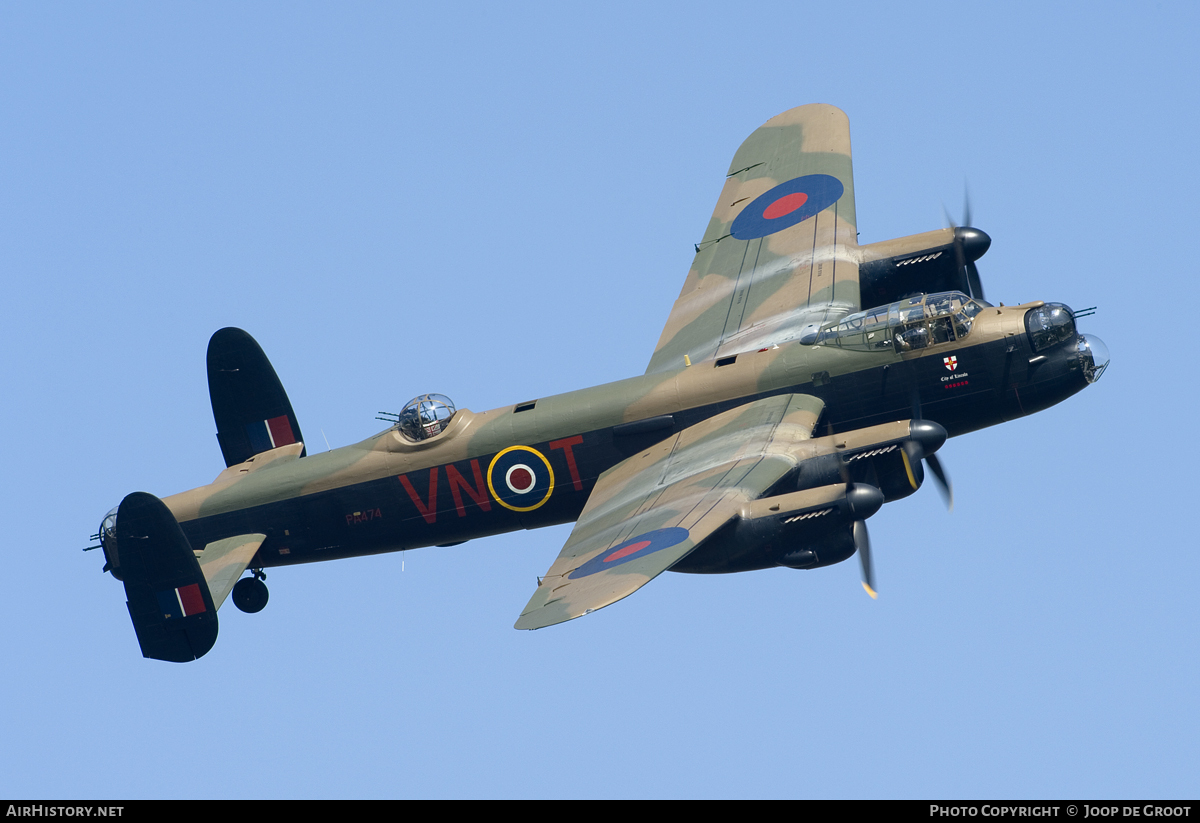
780, 252
652, 509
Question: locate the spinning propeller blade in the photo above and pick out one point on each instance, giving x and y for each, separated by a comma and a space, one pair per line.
918, 451
943, 482
862, 542
865, 500
969, 245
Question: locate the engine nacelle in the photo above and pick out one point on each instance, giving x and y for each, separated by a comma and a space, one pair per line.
802, 530
840, 479
893, 466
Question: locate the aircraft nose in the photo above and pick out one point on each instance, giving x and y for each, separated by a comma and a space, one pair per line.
1093, 356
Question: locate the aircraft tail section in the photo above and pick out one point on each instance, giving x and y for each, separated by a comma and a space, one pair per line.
251, 409
169, 601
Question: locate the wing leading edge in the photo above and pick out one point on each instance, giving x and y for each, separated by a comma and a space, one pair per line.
652, 509
780, 251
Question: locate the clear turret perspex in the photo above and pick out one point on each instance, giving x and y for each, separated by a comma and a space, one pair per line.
426, 416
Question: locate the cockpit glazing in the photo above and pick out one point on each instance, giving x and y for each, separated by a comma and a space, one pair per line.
906, 325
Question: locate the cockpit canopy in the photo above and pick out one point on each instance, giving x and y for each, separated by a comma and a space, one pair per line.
907, 325
426, 416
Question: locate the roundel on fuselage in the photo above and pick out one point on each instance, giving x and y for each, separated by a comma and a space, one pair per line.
520, 478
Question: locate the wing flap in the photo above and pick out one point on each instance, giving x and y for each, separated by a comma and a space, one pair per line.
652, 509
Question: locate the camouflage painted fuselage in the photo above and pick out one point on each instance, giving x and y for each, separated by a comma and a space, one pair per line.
388, 493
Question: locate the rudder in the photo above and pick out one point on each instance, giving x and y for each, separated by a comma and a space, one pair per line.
250, 407
168, 598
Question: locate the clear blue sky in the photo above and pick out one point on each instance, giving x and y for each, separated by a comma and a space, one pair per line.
498, 202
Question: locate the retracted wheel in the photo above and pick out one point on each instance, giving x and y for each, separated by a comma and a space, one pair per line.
250, 595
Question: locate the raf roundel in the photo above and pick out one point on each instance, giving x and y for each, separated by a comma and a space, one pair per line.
520, 478
632, 549
786, 205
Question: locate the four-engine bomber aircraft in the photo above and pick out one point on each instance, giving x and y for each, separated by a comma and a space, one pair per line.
800, 383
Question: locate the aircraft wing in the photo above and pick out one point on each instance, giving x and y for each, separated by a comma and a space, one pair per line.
780, 251
652, 509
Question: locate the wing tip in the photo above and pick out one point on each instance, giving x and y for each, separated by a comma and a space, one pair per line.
805, 113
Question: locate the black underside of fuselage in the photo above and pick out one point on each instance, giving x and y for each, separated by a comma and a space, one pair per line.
982, 386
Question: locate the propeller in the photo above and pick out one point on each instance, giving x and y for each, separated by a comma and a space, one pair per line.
943, 482
864, 500
862, 543
969, 245
927, 437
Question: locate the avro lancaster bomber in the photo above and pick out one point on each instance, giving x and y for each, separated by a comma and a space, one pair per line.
802, 381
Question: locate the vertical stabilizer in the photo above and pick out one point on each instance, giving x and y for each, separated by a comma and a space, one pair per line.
169, 601
251, 409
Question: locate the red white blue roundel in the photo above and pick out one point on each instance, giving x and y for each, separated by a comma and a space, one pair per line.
786, 205
520, 478
632, 549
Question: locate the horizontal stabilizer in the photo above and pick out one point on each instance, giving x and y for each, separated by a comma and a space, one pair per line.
224, 561
169, 601
274, 457
251, 409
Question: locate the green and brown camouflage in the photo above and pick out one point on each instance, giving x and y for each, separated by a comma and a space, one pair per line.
774, 418
473, 435
740, 294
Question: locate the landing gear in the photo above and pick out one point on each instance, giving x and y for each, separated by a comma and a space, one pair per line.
250, 593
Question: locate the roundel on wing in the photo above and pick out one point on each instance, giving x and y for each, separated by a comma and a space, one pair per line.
632, 549
520, 478
786, 205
